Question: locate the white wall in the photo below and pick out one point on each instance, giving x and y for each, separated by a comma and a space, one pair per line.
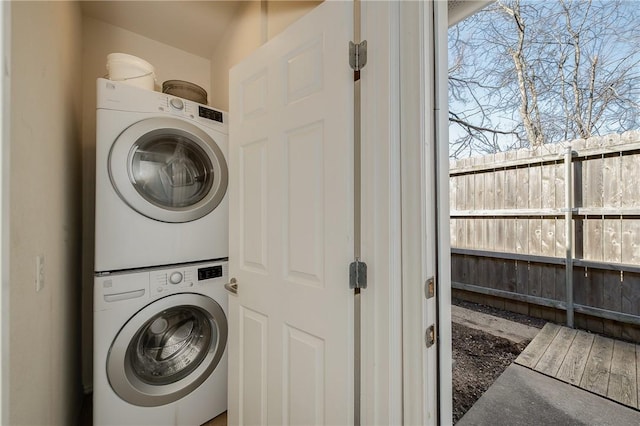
44, 213
100, 39
256, 22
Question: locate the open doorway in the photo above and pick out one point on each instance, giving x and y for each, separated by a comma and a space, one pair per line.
544, 149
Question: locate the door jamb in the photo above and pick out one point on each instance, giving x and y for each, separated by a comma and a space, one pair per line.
381, 337
393, 328
5, 121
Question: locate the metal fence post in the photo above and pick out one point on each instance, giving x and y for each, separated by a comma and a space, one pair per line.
568, 229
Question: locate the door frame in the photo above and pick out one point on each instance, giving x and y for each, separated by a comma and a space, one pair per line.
398, 109
5, 120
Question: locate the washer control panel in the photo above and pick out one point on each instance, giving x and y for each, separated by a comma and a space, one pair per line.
185, 277
113, 289
209, 272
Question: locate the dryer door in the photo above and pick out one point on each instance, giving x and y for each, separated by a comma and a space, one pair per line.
167, 349
168, 170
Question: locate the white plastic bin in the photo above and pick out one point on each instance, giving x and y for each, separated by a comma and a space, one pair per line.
131, 70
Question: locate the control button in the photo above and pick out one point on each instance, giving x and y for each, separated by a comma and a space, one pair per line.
176, 103
175, 278
159, 289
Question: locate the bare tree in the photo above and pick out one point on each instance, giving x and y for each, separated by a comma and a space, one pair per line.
526, 73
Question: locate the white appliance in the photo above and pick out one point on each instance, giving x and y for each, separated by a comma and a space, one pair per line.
161, 179
160, 339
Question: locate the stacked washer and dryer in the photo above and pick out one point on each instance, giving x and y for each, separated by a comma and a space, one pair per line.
160, 307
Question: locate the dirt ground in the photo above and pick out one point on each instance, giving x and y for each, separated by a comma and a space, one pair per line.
480, 358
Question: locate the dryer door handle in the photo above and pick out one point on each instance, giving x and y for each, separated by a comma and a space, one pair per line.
232, 286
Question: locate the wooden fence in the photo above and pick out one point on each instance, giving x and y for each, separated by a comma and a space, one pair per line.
529, 227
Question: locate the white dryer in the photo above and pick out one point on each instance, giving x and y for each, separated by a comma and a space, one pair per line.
161, 179
160, 345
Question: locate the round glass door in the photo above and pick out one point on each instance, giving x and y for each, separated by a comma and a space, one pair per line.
171, 171
168, 169
171, 345
167, 349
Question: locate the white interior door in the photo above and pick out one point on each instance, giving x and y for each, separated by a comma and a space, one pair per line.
291, 226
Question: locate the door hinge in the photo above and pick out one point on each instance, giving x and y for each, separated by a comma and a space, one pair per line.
430, 336
358, 55
430, 288
357, 274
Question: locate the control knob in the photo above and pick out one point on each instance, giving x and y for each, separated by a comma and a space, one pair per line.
176, 103
175, 278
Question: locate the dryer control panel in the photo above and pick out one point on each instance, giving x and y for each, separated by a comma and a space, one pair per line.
116, 95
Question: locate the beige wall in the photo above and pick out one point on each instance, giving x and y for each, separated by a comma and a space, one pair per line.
255, 23
281, 14
100, 39
45, 213
242, 38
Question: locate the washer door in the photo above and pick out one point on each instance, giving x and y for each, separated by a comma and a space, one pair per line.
168, 170
167, 349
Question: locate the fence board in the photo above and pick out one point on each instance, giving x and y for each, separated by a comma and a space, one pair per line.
592, 238
548, 237
595, 296
611, 181
510, 240
499, 182
478, 186
461, 192
469, 204
630, 175
534, 287
511, 184
611, 240
453, 192
630, 250
509, 280
522, 188
612, 300
560, 292
630, 294
498, 192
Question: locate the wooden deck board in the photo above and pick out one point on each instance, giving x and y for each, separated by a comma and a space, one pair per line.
575, 361
551, 360
623, 379
532, 353
604, 366
596, 373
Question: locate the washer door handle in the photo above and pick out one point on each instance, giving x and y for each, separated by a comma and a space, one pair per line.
232, 286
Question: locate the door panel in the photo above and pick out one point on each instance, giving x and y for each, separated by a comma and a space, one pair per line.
291, 226
253, 198
253, 368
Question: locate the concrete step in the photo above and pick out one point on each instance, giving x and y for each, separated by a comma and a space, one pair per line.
496, 326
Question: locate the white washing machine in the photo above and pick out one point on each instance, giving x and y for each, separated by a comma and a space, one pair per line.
161, 179
160, 345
